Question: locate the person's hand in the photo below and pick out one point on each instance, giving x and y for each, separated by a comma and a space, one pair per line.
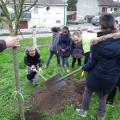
12, 42
93, 42
33, 68
63, 50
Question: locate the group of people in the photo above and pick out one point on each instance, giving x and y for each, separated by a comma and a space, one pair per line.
102, 60
64, 45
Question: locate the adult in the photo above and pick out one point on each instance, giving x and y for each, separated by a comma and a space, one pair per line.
102, 67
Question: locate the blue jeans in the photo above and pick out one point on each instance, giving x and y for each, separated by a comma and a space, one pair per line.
65, 61
86, 101
50, 57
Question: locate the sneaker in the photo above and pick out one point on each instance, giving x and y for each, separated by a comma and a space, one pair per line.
35, 84
81, 112
68, 70
46, 66
101, 118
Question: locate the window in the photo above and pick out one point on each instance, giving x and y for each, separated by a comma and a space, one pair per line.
58, 21
103, 9
115, 9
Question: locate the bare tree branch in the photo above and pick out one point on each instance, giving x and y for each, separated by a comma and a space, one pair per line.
4, 9
3, 19
31, 6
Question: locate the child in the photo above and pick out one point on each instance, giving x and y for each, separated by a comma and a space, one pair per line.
53, 46
33, 61
102, 68
77, 50
65, 46
86, 37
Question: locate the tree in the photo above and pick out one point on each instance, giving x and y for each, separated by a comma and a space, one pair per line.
72, 5
13, 23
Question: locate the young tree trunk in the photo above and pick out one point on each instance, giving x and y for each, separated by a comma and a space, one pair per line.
16, 68
20, 101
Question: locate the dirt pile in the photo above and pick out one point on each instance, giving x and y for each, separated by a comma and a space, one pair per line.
52, 100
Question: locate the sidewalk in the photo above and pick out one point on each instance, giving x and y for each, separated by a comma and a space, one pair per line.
46, 30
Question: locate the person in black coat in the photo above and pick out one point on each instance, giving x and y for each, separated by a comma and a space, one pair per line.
102, 68
77, 49
64, 46
33, 61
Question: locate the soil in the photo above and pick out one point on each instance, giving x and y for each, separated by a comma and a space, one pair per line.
53, 99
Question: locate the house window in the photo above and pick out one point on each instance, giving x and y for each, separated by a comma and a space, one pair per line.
58, 21
103, 9
36, 9
115, 9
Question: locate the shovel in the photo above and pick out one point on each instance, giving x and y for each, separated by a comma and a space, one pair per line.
44, 78
58, 81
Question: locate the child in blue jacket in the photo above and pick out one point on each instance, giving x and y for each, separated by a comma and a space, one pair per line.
64, 45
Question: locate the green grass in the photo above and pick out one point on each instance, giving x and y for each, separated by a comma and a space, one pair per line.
8, 104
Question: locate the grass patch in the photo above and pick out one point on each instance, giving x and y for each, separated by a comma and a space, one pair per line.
8, 104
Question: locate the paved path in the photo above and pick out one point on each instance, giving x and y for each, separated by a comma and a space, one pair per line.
41, 32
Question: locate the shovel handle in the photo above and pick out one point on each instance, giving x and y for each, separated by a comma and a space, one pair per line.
64, 77
40, 74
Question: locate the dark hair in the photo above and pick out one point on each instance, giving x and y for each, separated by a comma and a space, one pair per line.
54, 29
59, 28
107, 21
65, 27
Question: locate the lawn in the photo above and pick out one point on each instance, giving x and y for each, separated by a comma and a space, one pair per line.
8, 103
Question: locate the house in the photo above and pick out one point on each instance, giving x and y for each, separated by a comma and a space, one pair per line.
88, 9
46, 13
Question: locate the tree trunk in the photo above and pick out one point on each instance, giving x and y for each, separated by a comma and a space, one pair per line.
20, 101
18, 90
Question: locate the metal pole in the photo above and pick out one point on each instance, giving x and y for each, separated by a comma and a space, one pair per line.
34, 37
64, 12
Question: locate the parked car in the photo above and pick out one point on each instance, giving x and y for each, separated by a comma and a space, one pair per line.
79, 21
96, 20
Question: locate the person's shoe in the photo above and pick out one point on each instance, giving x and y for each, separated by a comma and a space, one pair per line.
46, 66
30, 81
35, 84
101, 118
81, 112
68, 70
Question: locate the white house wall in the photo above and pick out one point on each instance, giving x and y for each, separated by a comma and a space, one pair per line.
47, 18
87, 7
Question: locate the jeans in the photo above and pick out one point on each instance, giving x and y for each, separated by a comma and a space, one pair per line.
86, 57
36, 77
50, 57
65, 61
112, 94
74, 61
86, 101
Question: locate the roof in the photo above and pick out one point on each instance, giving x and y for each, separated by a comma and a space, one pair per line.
45, 2
110, 3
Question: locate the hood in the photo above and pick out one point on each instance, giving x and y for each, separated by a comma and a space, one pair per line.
105, 37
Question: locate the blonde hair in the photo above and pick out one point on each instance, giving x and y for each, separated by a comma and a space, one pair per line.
29, 48
77, 34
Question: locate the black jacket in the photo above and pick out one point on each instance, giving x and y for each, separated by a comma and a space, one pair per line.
2, 45
103, 66
35, 60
